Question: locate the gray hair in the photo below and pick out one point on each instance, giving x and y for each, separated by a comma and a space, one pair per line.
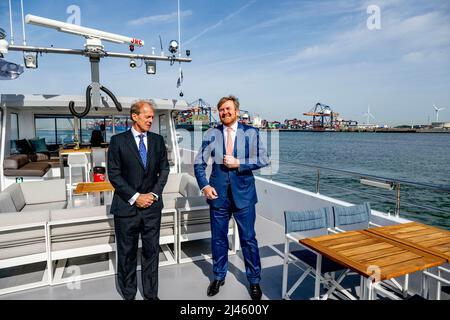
136, 107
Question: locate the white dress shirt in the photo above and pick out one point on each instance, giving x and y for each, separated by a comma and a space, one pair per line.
234, 127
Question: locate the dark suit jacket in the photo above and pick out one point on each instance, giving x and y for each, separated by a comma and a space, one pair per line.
251, 154
128, 175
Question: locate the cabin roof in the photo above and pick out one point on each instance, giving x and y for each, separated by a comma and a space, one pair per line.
57, 100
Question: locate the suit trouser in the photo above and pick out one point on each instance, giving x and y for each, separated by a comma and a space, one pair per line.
245, 219
127, 238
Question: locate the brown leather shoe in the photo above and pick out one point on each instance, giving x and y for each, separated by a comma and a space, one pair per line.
214, 287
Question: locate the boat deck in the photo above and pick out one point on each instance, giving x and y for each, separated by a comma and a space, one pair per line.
187, 280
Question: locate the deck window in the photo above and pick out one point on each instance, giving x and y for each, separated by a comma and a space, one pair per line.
46, 128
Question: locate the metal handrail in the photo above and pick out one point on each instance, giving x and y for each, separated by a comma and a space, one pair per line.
395, 181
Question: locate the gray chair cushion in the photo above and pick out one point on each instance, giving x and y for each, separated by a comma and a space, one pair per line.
45, 191
170, 199
81, 234
189, 186
173, 183
48, 205
16, 194
16, 219
6, 203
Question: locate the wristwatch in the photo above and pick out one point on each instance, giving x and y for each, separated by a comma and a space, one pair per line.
155, 196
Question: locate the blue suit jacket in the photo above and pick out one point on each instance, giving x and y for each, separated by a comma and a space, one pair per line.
251, 154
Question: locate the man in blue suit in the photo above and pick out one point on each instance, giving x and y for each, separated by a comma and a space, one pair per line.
235, 150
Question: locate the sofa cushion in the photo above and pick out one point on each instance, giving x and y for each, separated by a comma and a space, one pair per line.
16, 219
24, 146
6, 203
36, 192
38, 145
42, 156
32, 169
80, 234
78, 213
169, 199
15, 191
54, 163
188, 186
15, 161
47, 205
173, 183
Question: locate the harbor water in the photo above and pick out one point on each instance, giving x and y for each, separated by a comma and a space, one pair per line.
421, 158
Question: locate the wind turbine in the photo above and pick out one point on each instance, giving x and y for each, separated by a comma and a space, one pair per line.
368, 115
436, 109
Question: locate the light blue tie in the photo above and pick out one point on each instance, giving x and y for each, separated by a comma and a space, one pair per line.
142, 150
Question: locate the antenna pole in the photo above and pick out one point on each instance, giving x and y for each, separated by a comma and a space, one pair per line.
23, 24
179, 30
11, 24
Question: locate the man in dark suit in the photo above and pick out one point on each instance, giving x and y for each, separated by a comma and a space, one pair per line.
138, 169
236, 150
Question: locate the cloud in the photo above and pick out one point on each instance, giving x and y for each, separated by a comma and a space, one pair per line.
409, 39
214, 26
161, 18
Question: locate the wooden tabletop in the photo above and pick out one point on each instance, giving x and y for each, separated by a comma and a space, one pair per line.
81, 150
372, 255
88, 187
420, 236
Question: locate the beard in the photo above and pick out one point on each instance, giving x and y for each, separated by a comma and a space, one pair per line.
228, 120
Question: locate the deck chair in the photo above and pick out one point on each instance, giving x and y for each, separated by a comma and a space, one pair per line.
303, 224
358, 217
352, 218
440, 281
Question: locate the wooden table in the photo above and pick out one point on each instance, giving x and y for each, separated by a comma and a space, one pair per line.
420, 236
65, 152
375, 258
91, 187
423, 237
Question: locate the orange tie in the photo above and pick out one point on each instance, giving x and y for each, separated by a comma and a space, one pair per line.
229, 143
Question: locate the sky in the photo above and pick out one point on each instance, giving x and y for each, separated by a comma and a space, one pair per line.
278, 57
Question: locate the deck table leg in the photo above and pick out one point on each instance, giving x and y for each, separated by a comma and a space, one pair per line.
318, 276
362, 285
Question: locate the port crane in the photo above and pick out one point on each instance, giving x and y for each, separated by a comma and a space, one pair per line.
323, 116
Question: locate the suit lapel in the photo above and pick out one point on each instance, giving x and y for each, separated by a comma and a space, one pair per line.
150, 146
238, 139
132, 145
220, 128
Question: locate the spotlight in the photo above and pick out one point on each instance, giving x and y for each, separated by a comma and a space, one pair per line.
31, 60
188, 53
181, 93
132, 64
150, 66
173, 46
